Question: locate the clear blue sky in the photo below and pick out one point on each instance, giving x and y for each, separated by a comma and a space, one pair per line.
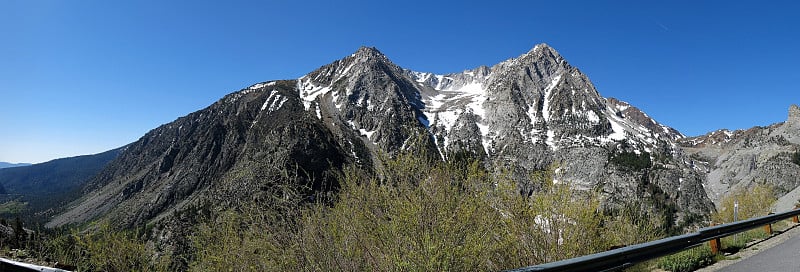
81, 77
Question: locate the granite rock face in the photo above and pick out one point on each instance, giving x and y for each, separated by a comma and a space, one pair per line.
536, 110
794, 115
743, 158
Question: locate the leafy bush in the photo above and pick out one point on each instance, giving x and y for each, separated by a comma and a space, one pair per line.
103, 249
234, 242
419, 215
753, 202
633, 224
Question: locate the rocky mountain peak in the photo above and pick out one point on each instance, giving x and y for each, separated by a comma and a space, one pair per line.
542, 52
794, 114
543, 48
634, 114
716, 138
525, 113
368, 50
542, 65
369, 54
364, 60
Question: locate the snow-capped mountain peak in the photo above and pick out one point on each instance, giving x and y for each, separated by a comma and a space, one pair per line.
536, 99
518, 117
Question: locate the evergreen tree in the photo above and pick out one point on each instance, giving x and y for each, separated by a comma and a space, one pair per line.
19, 233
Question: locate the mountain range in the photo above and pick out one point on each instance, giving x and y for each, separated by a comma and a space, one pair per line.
45, 188
8, 164
517, 117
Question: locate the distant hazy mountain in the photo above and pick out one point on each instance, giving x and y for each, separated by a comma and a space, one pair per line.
8, 164
46, 186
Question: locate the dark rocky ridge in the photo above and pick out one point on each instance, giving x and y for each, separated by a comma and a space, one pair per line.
193, 158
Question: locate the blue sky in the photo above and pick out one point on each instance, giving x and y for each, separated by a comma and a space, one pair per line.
81, 77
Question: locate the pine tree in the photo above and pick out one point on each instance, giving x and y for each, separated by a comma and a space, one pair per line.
19, 233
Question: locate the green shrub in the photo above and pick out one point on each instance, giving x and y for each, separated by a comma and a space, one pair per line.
701, 256
753, 202
687, 260
632, 161
235, 242
419, 215
103, 249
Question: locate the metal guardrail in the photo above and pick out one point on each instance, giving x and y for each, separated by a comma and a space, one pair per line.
7, 265
627, 256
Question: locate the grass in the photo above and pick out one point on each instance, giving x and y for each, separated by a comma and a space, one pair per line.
734, 243
12, 207
688, 260
701, 256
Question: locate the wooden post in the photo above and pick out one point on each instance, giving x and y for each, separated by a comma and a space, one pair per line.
768, 227
794, 218
715, 244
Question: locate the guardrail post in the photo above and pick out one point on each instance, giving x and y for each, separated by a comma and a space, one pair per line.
795, 219
768, 227
715, 244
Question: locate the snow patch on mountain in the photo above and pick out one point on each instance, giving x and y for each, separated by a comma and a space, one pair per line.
619, 130
592, 117
261, 85
309, 92
455, 95
445, 100
547, 92
274, 102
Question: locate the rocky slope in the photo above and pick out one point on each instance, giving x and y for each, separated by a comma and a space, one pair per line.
262, 130
520, 115
534, 110
742, 158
